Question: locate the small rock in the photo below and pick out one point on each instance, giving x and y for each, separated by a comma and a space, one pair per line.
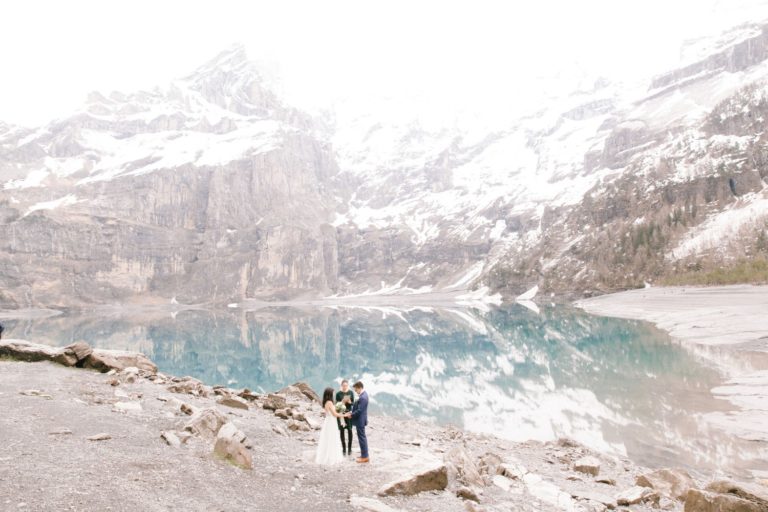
230, 445
279, 429
282, 413
429, 477
313, 423
489, 463
206, 423
595, 496
566, 442
298, 416
170, 438
606, 481
274, 402
467, 493
674, 483
190, 386
35, 392
81, 350
462, 467
512, 470
304, 390
233, 401
187, 409
370, 505
105, 360
184, 436
247, 394
127, 407
502, 482
298, 425
636, 494
588, 465
100, 437
60, 432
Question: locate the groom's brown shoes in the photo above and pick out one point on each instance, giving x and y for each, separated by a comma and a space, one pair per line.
363, 459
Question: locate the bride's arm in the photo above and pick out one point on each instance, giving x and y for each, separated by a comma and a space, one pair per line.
331, 409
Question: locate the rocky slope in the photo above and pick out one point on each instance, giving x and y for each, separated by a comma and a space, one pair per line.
215, 190
157, 442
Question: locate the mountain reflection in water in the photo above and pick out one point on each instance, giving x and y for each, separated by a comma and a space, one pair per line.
615, 385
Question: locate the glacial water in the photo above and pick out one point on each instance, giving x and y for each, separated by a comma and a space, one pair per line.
619, 386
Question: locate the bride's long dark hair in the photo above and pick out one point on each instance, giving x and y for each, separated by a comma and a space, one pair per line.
327, 395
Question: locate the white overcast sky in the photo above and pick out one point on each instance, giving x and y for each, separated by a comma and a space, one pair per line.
52, 53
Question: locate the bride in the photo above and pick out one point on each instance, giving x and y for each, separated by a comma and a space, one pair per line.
329, 449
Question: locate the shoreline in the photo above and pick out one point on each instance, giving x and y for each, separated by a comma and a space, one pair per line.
429, 467
726, 327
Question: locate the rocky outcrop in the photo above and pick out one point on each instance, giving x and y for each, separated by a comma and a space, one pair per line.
77, 354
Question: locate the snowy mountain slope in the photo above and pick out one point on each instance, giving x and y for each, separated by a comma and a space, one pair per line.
214, 189
207, 190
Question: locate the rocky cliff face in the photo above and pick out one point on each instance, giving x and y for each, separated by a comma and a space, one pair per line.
215, 190
209, 191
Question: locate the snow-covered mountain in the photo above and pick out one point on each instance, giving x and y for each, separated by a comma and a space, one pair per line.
215, 189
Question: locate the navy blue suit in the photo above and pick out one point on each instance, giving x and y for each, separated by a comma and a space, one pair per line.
360, 420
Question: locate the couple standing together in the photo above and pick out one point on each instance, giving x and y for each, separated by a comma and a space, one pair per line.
339, 417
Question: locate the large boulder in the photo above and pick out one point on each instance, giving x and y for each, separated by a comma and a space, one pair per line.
428, 477
22, 350
674, 483
755, 495
705, 501
231, 445
206, 423
104, 360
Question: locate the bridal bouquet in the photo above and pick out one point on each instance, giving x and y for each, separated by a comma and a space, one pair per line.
341, 408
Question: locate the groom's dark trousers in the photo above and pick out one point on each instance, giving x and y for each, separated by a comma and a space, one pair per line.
360, 417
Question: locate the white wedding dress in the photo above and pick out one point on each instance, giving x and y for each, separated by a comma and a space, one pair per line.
329, 449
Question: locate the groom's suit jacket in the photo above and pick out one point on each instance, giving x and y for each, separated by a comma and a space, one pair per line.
360, 410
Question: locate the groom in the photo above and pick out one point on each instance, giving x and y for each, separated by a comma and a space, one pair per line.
359, 416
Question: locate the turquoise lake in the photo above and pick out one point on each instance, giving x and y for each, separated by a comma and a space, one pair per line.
618, 386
